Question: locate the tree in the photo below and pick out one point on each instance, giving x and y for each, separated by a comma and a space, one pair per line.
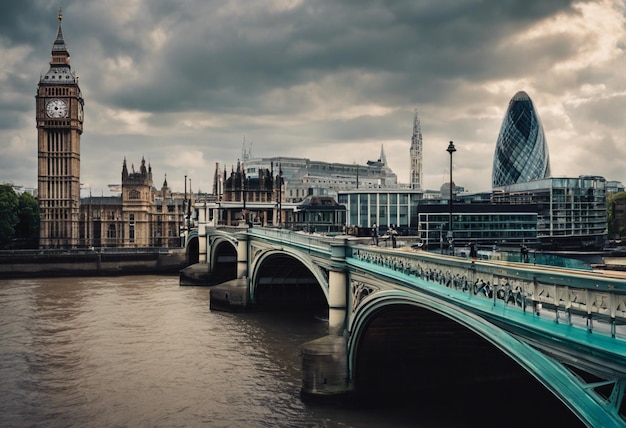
615, 215
28, 214
8, 213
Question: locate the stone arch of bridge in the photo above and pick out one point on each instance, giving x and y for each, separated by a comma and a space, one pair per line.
192, 248
288, 267
223, 259
219, 242
398, 330
218, 237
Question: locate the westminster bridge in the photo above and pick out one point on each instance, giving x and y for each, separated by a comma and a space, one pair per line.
412, 311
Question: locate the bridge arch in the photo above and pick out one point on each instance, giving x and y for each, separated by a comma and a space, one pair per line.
192, 248
284, 278
404, 344
223, 259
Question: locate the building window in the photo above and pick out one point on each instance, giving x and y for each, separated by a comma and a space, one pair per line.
131, 229
111, 232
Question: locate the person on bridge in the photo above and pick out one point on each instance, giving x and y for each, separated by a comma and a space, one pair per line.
524, 253
375, 234
393, 232
473, 253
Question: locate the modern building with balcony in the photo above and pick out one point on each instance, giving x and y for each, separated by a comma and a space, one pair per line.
571, 212
478, 223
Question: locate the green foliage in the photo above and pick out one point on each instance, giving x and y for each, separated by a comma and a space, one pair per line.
8, 213
28, 213
614, 229
19, 218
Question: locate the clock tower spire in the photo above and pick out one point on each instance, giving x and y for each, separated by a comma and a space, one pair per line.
59, 118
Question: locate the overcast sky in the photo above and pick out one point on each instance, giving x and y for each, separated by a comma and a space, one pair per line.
184, 82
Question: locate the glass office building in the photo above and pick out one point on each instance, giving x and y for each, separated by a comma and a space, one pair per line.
571, 212
382, 207
482, 224
521, 150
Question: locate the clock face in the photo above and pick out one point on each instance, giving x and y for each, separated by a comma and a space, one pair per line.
80, 111
56, 108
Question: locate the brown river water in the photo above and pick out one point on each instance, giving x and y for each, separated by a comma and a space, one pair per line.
143, 351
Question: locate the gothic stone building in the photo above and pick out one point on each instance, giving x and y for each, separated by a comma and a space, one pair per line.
141, 216
253, 199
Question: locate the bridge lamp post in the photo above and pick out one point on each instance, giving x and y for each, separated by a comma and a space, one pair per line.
451, 149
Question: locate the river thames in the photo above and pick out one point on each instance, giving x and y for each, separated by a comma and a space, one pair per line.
144, 351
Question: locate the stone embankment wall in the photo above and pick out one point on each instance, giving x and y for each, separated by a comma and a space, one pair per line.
106, 262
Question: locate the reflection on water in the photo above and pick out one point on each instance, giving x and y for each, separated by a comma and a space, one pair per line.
143, 351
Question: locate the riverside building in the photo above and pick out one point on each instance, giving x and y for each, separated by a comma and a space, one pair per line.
140, 216
304, 177
59, 117
557, 214
571, 212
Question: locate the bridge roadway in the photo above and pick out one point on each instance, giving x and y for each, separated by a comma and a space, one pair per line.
567, 328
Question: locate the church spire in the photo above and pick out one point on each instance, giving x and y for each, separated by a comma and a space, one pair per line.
416, 154
383, 158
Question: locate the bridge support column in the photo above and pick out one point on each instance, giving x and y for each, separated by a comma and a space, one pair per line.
242, 255
337, 302
202, 243
325, 360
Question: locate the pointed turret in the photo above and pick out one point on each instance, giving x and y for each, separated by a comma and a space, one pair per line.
216, 179
142, 169
59, 48
124, 171
60, 71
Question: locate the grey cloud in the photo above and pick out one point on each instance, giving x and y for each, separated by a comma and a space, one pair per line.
265, 74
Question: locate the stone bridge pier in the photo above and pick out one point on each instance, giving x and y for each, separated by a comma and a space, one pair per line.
325, 360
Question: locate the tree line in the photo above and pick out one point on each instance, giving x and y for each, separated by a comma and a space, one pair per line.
19, 219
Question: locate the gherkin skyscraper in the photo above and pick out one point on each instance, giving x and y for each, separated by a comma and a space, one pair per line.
521, 150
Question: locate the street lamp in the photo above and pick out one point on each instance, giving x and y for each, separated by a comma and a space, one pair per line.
451, 149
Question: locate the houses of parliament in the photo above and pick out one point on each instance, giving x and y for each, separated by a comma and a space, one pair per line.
141, 216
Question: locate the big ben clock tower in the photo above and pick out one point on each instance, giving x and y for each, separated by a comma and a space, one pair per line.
59, 115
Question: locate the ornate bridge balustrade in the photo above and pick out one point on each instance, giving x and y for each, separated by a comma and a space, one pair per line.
566, 328
542, 290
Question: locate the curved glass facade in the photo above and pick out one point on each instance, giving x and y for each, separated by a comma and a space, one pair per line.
521, 150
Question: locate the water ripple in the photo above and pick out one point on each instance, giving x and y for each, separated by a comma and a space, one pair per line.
143, 351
